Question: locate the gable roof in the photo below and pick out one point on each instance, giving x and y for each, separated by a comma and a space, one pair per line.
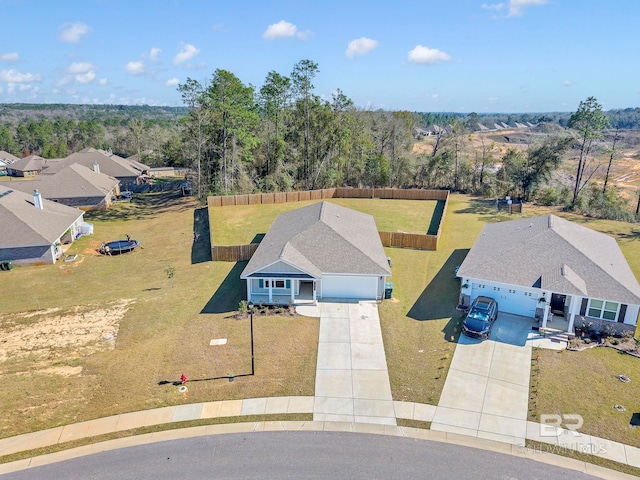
322, 238
554, 254
28, 164
109, 164
73, 181
24, 224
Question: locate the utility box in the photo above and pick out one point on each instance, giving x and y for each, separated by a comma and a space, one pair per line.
6, 265
388, 290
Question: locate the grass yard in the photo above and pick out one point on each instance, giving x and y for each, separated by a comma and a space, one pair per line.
240, 224
586, 383
101, 335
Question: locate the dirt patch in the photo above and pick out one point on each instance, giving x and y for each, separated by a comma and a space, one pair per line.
49, 334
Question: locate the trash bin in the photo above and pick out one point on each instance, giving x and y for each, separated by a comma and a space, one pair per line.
388, 290
6, 265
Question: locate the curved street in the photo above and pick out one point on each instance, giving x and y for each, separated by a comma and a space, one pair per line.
269, 455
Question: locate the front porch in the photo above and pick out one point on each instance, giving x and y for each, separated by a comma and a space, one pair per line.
281, 291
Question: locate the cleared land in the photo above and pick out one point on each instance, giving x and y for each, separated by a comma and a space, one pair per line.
240, 224
100, 335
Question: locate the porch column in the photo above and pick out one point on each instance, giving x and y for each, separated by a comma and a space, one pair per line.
249, 282
545, 315
270, 290
293, 288
314, 291
576, 301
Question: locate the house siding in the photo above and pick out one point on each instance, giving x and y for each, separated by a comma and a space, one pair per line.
29, 255
280, 267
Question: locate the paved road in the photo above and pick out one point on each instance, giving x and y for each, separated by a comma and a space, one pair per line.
286, 455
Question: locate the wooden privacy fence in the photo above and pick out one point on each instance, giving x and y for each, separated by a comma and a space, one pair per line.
233, 253
301, 196
237, 253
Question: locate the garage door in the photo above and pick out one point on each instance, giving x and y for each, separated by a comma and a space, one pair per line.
349, 287
510, 300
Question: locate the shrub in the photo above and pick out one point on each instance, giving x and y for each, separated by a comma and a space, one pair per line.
587, 340
615, 341
242, 307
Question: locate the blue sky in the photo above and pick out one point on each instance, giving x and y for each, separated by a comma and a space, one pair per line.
445, 55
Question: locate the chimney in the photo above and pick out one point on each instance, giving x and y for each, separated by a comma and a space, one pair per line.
37, 200
96, 167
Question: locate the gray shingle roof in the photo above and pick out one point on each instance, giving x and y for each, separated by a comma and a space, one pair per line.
323, 238
554, 254
9, 158
109, 164
73, 181
24, 224
28, 164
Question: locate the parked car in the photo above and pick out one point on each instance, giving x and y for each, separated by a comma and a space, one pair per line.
478, 322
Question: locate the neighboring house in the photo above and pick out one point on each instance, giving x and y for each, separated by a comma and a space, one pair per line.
34, 229
26, 167
319, 251
74, 186
545, 266
7, 157
127, 172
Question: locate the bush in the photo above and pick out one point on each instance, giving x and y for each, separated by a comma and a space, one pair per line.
242, 307
615, 341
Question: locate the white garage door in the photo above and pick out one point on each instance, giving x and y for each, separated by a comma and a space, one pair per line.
510, 300
349, 287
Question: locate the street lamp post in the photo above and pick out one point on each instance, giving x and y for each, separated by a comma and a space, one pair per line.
250, 305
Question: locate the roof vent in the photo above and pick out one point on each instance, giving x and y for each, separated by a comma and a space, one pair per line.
37, 200
96, 167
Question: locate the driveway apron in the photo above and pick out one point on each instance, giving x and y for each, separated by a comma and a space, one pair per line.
352, 381
486, 393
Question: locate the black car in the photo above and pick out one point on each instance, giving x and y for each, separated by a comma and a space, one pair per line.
482, 313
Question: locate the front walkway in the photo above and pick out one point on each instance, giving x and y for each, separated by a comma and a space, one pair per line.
352, 381
486, 393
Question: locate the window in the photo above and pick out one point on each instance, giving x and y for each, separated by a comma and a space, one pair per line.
274, 283
602, 309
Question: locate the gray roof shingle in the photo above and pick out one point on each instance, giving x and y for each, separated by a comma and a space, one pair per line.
554, 254
24, 224
323, 238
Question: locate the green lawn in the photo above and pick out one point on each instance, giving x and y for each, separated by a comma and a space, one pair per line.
240, 224
586, 383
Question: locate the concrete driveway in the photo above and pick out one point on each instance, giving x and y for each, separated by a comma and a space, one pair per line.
352, 381
486, 393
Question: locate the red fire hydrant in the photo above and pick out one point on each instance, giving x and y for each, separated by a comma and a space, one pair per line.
183, 379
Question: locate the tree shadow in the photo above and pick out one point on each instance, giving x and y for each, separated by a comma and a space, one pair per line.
201, 247
440, 297
436, 218
487, 210
143, 205
632, 235
228, 295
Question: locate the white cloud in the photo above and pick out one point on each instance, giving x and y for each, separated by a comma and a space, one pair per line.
103, 81
153, 55
516, 7
10, 57
85, 78
13, 76
71, 32
493, 6
135, 67
187, 52
426, 55
80, 67
173, 82
360, 46
493, 100
284, 29
567, 83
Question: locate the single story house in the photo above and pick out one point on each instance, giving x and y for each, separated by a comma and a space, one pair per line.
544, 266
126, 171
8, 157
318, 251
74, 186
34, 229
26, 167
